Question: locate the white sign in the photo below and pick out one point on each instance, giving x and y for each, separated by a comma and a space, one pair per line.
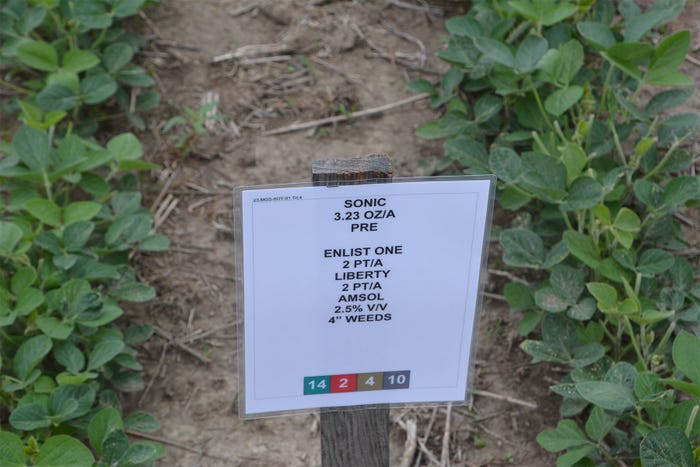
360, 294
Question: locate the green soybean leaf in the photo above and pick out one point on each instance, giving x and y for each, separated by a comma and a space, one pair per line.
606, 395
568, 282
108, 314
31, 18
134, 292
80, 211
45, 211
39, 55
422, 85
599, 423
678, 126
512, 199
682, 273
453, 123
32, 147
76, 61
679, 416
648, 193
126, 202
28, 300
556, 13
103, 352
647, 384
658, 14
147, 100
10, 235
627, 56
576, 456
144, 452
155, 242
76, 235
563, 99
529, 53
506, 164
565, 436
563, 64
582, 247
548, 299
116, 56
461, 52
138, 333
134, 75
467, 151
518, 296
101, 425
626, 224
582, 311
128, 381
627, 220
91, 15
605, 294
529, 322
671, 52
654, 261
584, 193
586, 354
451, 80
597, 34
686, 349
433, 130
123, 8
29, 417
57, 97
574, 159
130, 229
556, 254
667, 100
12, 450
665, 77
611, 269
142, 421
97, 88
545, 176
487, 107
522, 248
622, 373
64, 451
22, 279
680, 190
71, 400
464, 26
541, 351
30, 354
567, 391
666, 446
64, 78
94, 184
114, 447
69, 355
495, 50
54, 327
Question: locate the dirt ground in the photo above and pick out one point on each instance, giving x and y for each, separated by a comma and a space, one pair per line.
333, 57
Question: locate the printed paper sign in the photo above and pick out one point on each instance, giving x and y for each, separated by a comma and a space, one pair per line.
360, 294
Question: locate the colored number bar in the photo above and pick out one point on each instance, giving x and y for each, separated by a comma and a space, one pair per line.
353, 382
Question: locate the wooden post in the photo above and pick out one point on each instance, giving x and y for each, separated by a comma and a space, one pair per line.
357, 437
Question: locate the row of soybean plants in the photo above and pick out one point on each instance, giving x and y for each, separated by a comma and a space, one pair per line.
71, 216
572, 105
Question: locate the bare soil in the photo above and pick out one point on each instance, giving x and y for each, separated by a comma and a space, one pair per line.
334, 65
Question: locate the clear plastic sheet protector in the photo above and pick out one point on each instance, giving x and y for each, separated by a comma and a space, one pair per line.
359, 295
